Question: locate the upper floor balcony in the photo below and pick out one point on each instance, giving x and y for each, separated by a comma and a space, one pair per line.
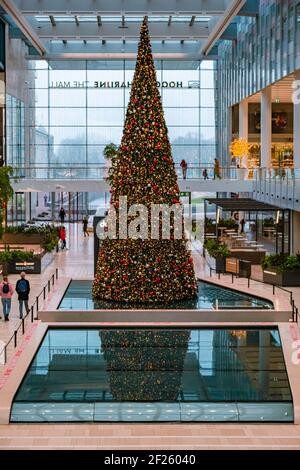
94, 178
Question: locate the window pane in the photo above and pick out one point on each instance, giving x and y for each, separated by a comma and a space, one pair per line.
41, 117
105, 117
41, 98
182, 116
207, 154
67, 135
105, 97
66, 155
184, 135
180, 97
67, 116
67, 97
41, 79
207, 78
95, 154
207, 116
189, 152
104, 135
207, 135
207, 98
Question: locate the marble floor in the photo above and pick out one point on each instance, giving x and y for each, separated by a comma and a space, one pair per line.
77, 262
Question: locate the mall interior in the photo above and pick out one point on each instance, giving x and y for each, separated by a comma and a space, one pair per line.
120, 343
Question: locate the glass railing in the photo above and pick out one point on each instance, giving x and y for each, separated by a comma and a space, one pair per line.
198, 172
282, 174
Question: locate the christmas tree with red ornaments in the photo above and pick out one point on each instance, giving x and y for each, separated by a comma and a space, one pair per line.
135, 269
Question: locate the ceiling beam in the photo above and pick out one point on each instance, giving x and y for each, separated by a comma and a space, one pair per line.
168, 7
218, 26
24, 26
121, 56
113, 30
118, 50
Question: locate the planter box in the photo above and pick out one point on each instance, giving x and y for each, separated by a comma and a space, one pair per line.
220, 264
254, 256
22, 239
285, 279
216, 263
32, 266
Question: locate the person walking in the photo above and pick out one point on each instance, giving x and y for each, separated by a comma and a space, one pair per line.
23, 289
242, 224
62, 237
184, 166
205, 174
217, 169
6, 293
85, 226
62, 215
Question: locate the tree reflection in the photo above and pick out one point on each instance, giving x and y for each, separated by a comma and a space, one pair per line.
145, 365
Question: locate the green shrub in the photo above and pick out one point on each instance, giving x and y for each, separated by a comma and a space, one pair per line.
269, 222
49, 233
15, 255
228, 223
282, 262
216, 250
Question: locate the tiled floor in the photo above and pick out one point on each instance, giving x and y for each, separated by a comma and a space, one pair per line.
149, 437
78, 263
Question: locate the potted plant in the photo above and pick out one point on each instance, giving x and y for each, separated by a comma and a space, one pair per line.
282, 269
110, 153
219, 252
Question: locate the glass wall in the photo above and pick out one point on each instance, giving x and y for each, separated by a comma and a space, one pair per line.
80, 106
15, 132
266, 50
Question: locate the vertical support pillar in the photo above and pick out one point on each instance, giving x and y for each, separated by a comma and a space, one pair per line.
27, 206
53, 206
266, 128
243, 127
297, 126
243, 119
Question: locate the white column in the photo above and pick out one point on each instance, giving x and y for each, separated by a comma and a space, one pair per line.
27, 206
243, 134
266, 127
243, 119
297, 127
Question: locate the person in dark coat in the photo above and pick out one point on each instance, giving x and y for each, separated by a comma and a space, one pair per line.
62, 215
23, 289
85, 226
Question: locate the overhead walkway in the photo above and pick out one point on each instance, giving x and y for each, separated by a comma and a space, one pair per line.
93, 179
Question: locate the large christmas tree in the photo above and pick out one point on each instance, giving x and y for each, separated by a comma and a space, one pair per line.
144, 270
